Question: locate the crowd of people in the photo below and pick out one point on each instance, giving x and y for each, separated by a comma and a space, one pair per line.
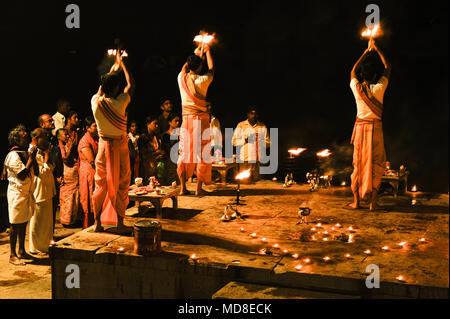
83, 169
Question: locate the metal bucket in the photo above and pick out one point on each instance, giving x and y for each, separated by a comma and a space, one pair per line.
147, 237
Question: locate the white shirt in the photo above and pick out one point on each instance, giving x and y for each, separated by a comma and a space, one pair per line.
60, 121
20, 193
245, 130
378, 89
104, 126
216, 134
201, 84
45, 183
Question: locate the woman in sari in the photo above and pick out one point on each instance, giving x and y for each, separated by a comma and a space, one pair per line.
87, 149
69, 190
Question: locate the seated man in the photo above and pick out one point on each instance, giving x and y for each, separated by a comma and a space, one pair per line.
248, 138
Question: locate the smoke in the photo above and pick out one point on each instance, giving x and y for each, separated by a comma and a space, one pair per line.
339, 163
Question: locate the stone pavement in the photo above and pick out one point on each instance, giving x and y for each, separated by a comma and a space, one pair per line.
272, 214
32, 281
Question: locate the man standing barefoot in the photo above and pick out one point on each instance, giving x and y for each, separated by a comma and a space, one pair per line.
369, 154
112, 164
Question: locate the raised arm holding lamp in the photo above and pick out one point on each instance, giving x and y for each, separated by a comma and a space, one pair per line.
112, 164
193, 90
369, 154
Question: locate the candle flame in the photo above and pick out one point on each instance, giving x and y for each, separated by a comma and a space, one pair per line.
347, 255
204, 38
306, 260
414, 189
422, 240
298, 267
326, 258
243, 175
253, 234
325, 239
297, 151
343, 183
367, 252
193, 256
263, 239
372, 32
324, 153
385, 247
400, 278
295, 256
338, 225
403, 243
276, 246
242, 229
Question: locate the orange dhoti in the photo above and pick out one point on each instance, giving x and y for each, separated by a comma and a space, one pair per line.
112, 179
195, 147
369, 157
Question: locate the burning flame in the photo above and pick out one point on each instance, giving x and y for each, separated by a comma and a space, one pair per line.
276, 246
114, 52
343, 183
324, 153
253, 235
263, 239
204, 38
367, 252
242, 229
298, 267
194, 256
307, 260
403, 243
386, 248
347, 255
422, 240
414, 189
371, 32
326, 258
243, 175
297, 151
295, 256
400, 278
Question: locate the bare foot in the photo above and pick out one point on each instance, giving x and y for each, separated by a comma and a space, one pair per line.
373, 207
185, 192
352, 205
24, 255
98, 228
16, 261
201, 192
122, 229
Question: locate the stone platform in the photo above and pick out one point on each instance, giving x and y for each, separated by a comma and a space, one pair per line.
227, 253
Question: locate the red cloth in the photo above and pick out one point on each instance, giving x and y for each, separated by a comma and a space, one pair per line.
87, 173
112, 179
369, 156
195, 149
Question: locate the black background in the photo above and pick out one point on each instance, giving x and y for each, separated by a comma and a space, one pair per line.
292, 59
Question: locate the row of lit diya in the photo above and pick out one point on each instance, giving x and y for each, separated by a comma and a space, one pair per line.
327, 259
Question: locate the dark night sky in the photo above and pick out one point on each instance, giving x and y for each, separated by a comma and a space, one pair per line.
292, 59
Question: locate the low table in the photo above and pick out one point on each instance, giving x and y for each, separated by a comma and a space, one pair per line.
222, 169
156, 200
395, 181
